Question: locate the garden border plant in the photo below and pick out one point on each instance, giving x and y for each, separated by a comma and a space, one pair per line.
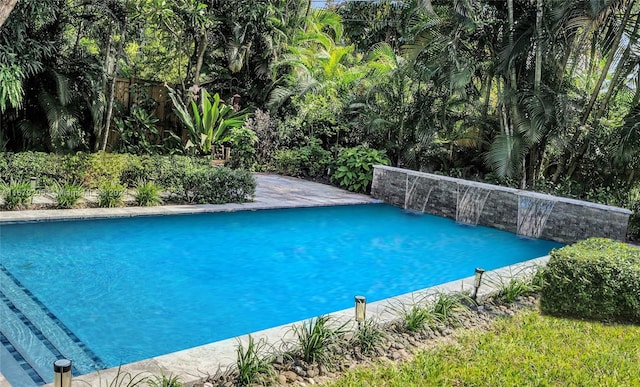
596, 278
185, 179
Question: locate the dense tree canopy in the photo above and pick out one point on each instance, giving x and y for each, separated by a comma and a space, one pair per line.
532, 93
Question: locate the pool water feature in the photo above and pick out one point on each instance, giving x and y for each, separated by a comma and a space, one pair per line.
135, 288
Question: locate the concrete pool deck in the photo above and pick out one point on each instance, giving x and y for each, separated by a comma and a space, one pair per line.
194, 364
273, 191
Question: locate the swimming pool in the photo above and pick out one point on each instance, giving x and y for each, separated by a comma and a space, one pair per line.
130, 289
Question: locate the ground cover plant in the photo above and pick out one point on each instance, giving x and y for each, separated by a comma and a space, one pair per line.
528, 349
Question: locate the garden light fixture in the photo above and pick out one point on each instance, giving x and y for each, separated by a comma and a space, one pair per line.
477, 282
62, 373
34, 182
361, 308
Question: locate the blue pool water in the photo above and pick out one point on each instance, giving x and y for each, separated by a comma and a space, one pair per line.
135, 288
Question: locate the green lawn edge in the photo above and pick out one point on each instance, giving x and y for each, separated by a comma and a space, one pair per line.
528, 349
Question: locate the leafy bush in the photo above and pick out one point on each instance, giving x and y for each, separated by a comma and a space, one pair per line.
68, 195
288, 162
633, 229
148, 194
597, 279
46, 167
354, 167
310, 161
17, 195
137, 132
243, 151
199, 184
110, 195
105, 168
265, 129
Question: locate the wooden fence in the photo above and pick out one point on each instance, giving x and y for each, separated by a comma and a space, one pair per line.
129, 91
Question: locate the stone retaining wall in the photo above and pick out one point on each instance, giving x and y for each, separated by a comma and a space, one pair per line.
526, 213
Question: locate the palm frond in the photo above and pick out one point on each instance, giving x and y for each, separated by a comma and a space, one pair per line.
505, 155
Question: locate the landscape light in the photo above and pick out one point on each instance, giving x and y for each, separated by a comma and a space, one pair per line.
477, 282
62, 373
34, 182
361, 308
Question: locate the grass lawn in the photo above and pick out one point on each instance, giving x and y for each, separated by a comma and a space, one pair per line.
527, 350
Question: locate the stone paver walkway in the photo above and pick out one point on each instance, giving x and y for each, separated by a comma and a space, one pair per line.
273, 191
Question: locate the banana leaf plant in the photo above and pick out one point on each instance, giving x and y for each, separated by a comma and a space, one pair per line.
209, 123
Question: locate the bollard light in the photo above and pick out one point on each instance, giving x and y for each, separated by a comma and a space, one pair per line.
477, 282
34, 182
361, 308
62, 373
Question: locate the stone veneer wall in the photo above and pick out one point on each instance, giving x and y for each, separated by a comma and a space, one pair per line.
523, 212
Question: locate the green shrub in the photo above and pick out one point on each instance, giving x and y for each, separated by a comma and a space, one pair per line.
46, 167
597, 279
110, 195
633, 230
354, 167
74, 168
146, 168
243, 151
310, 161
105, 168
17, 195
288, 162
148, 194
68, 195
200, 184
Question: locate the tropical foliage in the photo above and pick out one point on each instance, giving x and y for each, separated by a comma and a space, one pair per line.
534, 94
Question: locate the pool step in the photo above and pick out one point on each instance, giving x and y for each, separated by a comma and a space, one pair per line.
35, 337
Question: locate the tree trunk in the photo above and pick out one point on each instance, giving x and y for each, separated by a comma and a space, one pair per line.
6, 6
109, 113
538, 69
105, 78
202, 48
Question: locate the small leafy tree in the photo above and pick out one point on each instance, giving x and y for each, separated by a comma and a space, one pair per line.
209, 123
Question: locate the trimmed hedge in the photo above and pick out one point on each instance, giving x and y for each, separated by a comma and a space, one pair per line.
187, 179
596, 279
198, 184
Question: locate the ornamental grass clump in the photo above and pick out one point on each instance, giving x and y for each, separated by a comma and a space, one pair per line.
416, 317
148, 194
448, 306
597, 279
17, 195
508, 292
368, 337
68, 195
317, 339
110, 195
251, 364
